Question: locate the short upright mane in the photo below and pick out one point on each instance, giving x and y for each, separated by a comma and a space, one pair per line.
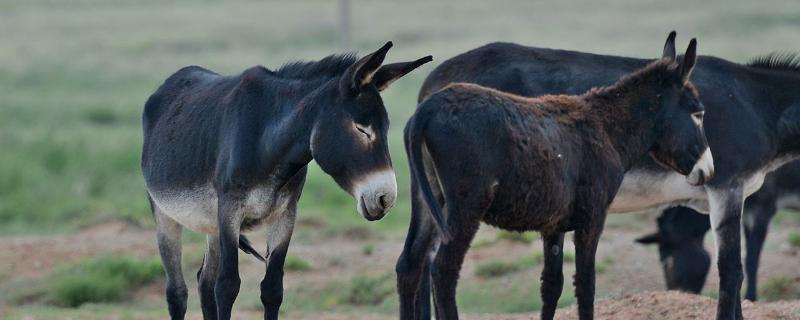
659, 67
327, 67
777, 61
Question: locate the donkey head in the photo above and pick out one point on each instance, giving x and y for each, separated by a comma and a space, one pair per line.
682, 144
349, 138
680, 246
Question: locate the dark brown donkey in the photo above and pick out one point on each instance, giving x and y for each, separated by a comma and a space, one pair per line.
551, 164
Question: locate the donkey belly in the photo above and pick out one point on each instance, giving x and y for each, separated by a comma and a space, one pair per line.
651, 190
196, 209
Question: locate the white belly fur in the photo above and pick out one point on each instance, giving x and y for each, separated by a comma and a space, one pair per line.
645, 191
196, 209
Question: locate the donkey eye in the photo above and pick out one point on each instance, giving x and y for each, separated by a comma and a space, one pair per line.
364, 131
698, 117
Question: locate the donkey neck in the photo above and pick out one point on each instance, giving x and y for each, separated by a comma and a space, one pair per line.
781, 94
285, 139
627, 113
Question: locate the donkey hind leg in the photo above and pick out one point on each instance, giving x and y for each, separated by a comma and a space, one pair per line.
423, 300
207, 276
446, 268
463, 218
552, 274
169, 247
726, 210
756, 223
226, 288
280, 234
586, 238
413, 277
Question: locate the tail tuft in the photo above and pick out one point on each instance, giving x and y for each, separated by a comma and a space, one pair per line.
414, 136
246, 247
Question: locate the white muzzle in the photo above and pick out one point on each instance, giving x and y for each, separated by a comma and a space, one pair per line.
703, 170
375, 194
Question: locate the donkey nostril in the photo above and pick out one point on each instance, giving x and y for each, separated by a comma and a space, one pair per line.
383, 201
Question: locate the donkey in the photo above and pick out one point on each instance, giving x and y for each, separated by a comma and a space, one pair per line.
224, 155
752, 121
681, 231
552, 164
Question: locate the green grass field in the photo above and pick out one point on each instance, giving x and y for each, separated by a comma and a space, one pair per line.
74, 76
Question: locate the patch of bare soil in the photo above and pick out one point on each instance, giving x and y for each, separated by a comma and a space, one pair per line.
680, 306
630, 280
34, 256
651, 305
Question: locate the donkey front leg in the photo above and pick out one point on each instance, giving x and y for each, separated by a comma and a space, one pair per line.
280, 234
169, 247
586, 238
553, 274
226, 289
726, 210
206, 278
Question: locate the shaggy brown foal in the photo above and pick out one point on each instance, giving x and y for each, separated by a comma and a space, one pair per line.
551, 164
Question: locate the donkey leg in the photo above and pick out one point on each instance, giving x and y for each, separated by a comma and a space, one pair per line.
756, 223
207, 276
552, 274
412, 265
726, 211
422, 305
447, 266
586, 238
280, 234
169, 247
226, 287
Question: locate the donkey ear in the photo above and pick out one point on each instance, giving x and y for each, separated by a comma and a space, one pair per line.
649, 239
669, 46
391, 72
360, 73
689, 60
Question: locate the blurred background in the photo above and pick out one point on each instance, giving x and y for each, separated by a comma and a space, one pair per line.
75, 226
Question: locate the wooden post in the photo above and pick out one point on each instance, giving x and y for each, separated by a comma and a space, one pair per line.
344, 24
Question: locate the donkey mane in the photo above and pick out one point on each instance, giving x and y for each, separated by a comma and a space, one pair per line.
787, 61
660, 68
328, 67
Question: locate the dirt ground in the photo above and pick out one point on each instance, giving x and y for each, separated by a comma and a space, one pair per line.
627, 289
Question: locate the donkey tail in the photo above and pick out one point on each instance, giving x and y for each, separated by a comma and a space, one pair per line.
414, 136
246, 247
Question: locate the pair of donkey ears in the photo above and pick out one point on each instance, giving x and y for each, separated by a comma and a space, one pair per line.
368, 70
689, 58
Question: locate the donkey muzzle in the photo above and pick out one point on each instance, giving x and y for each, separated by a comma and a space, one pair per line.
703, 169
375, 194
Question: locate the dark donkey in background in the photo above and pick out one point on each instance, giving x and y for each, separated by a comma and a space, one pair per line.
752, 123
552, 164
681, 231
223, 155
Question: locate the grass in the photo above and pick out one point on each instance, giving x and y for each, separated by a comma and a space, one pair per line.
603, 264
70, 127
780, 288
501, 268
296, 264
369, 290
101, 279
794, 240
368, 249
521, 237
